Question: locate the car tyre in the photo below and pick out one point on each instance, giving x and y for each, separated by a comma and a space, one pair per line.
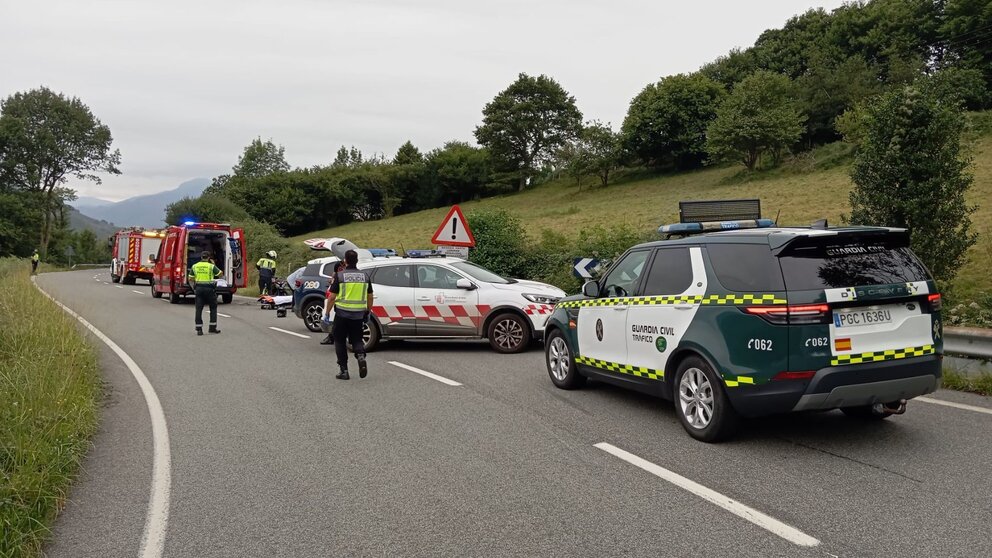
561, 365
371, 335
701, 402
313, 312
226, 298
508, 333
155, 293
115, 278
174, 298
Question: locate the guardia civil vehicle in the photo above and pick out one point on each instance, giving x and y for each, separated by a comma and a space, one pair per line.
755, 320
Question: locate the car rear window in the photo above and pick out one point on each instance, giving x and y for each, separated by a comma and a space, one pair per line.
311, 270
834, 262
748, 268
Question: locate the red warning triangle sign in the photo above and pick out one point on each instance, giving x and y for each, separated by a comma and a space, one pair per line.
454, 230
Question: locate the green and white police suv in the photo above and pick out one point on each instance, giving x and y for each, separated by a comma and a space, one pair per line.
756, 320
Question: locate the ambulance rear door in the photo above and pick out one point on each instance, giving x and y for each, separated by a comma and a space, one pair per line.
239, 255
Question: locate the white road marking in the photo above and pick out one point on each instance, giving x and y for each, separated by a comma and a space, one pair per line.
106, 282
300, 335
137, 292
430, 375
955, 405
119, 287
766, 522
157, 517
223, 315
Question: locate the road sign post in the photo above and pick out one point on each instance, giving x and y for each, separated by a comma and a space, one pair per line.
454, 237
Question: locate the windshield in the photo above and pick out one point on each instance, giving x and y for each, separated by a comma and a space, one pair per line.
480, 273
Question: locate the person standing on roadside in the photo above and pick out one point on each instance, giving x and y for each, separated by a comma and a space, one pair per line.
329, 340
35, 258
204, 275
351, 297
266, 267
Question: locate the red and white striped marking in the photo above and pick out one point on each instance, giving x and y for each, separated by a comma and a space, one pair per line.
539, 309
455, 314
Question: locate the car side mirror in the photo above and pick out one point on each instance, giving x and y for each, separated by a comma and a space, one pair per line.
590, 289
151, 258
465, 284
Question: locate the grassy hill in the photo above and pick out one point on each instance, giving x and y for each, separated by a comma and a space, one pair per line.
799, 192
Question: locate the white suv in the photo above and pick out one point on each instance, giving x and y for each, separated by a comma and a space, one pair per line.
449, 298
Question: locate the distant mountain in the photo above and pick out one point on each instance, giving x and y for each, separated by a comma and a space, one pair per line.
146, 211
86, 202
80, 222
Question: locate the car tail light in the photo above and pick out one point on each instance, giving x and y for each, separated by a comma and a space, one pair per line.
798, 314
298, 283
804, 375
935, 302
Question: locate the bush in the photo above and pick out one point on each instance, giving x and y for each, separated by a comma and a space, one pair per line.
501, 242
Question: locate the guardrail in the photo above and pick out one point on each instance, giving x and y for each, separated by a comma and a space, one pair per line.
971, 342
80, 266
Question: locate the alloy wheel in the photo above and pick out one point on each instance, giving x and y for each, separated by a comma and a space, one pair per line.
696, 398
509, 334
559, 360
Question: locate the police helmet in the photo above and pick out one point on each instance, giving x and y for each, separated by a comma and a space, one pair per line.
271, 254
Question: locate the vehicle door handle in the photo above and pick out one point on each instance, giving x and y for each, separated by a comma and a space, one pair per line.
424, 299
619, 308
684, 306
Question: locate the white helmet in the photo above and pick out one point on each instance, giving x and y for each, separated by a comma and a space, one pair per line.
271, 254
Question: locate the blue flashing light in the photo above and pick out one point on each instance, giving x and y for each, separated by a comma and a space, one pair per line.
188, 223
692, 228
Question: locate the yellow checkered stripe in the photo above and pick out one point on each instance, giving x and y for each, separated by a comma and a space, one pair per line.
713, 299
745, 380
878, 356
638, 371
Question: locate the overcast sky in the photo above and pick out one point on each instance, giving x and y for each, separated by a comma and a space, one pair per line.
184, 86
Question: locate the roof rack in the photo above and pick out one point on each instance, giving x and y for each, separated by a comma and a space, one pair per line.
716, 215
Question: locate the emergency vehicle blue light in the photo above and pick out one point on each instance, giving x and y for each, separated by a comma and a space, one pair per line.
690, 228
420, 253
187, 223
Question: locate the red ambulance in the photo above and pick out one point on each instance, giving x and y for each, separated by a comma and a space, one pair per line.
181, 248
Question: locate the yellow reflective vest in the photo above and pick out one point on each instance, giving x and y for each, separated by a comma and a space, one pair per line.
204, 273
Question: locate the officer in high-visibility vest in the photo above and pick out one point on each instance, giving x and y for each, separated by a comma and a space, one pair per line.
351, 297
266, 267
35, 258
204, 275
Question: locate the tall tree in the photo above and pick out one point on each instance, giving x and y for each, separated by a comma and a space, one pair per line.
526, 123
596, 152
966, 35
759, 116
261, 158
666, 122
408, 154
47, 138
910, 172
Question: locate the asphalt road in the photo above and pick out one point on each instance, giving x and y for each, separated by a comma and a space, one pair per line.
271, 456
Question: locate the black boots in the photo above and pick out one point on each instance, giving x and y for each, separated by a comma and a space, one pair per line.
363, 367
213, 330
329, 340
199, 331
343, 374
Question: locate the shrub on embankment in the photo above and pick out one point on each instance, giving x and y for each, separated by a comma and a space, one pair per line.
49, 395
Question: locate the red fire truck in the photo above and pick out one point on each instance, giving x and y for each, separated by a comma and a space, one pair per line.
181, 248
133, 249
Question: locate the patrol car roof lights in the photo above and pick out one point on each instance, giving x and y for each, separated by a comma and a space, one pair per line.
717, 215
797, 314
709, 226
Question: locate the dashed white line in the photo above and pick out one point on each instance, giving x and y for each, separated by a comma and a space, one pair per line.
119, 287
766, 522
137, 292
293, 333
223, 315
430, 375
955, 405
157, 516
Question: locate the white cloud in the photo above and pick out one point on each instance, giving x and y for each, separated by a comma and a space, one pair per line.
184, 86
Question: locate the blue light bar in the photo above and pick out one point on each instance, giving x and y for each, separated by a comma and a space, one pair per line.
692, 228
188, 223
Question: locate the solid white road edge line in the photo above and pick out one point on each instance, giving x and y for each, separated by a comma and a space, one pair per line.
157, 518
430, 375
289, 332
955, 405
223, 315
766, 522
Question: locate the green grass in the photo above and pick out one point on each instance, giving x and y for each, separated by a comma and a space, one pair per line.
980, 384
49, 400
799, 192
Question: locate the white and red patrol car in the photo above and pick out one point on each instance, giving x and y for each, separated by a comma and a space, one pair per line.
450, 298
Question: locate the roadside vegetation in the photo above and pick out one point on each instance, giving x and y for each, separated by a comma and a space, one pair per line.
980, 384
50, 391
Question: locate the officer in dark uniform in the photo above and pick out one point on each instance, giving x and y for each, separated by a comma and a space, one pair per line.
351, 297
204, 275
